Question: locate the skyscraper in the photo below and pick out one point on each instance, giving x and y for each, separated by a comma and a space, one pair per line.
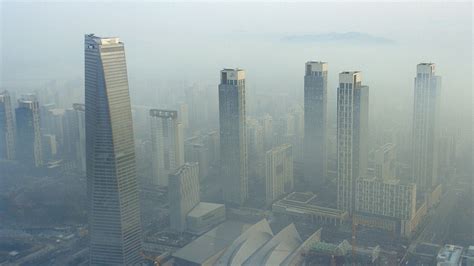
233, 136
425, 131
7, 128
352, 130
278, 172
385, 162
29, 147
183, 194
114, 214
315, 120
167, 144
267, 124
74, 135
255, 150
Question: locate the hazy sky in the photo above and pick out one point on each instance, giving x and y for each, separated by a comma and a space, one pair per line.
191, 42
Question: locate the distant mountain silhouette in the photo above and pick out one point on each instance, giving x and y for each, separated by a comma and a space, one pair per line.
345, 37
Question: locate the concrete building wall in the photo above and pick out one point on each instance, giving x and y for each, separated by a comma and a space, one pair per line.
167, 144
278, 172
183, 192
386, 198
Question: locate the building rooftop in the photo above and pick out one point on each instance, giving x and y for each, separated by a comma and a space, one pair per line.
164, 113
79, 106
427, 249
203, 208
277, 249
212, 242
449, 255
242, 244
348, 76
246, 244
298, 202
103, 40
303, 197
317, 65
232, 74
183, 168
470, 251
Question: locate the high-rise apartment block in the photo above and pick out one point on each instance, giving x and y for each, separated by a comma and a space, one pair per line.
352, 131
315, 123
233, 136
425, 127
167, 144
7, 127
112, 186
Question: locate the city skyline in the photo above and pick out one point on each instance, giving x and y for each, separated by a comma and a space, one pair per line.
280, 138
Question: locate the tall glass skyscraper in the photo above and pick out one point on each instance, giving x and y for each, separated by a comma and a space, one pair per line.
352, 131
114, 214
7, 129
425, 132
315, 123
233, 136
29, 143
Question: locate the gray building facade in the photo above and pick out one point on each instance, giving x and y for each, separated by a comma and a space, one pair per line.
233, 136
183, 192
29, 140
315, 123
7, 127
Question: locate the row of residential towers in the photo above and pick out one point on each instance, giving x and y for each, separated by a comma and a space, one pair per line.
352, 131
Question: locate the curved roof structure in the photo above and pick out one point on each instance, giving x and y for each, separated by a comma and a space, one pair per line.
246, 244
277, 249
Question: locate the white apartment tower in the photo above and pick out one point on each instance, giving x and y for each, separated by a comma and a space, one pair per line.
352, 130
425, 127
167, 144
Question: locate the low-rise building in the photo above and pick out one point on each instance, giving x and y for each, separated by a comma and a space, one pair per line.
387, 204
468, 256
278, 172
303, 206
449, 255
234, 243
183, 194
204, 217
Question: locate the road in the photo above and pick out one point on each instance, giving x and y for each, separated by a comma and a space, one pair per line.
436, 228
